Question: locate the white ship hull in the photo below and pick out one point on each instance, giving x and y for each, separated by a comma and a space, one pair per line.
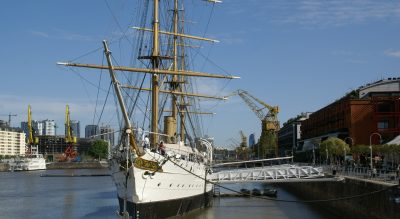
27, 164
176, 189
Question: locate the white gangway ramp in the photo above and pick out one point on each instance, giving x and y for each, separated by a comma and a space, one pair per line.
273, 173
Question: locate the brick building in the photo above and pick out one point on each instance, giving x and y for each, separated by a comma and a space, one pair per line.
369, 109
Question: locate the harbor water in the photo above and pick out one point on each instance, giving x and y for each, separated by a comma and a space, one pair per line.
27, 195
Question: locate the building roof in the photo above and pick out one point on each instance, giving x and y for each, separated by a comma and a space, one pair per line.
382, 86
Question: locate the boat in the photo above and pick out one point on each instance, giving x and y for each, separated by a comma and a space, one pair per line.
270, 192
256, 192
33, 161
168, 177
245, 192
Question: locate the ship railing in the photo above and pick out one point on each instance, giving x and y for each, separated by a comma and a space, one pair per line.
379, 174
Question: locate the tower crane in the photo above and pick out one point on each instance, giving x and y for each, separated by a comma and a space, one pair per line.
9, 118
269, 122
70, 153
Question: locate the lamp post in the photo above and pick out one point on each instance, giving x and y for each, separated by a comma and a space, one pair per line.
294, 138
370, 144
326, 150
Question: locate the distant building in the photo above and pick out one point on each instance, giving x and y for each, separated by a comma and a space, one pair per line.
56, 145
3, 124
44, 127
76, 128
252, 140
290, 134
48, 127
107, 134
12, 141
91, 130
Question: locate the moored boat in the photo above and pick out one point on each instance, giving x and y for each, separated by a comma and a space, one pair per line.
167, 176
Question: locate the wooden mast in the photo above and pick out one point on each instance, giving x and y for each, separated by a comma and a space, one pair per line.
155, 61
178, 74
170, 121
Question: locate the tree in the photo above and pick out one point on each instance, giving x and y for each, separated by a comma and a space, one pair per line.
335, 147
99, 149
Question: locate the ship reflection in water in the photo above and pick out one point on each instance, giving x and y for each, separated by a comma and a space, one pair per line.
27, 195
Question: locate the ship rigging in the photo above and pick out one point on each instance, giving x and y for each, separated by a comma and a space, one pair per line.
148, 178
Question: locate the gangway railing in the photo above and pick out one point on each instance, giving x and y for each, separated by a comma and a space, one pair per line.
273, 173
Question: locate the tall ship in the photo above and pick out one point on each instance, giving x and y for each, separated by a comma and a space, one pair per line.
161, 172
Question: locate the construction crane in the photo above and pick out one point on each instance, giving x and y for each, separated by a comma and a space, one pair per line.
31, 139
9, 118
70, 153
269, 123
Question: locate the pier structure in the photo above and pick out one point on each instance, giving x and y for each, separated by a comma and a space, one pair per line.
240, 172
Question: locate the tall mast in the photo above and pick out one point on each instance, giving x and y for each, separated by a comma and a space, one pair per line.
182, 105
175, 64
155, 65
170, 121
117, 88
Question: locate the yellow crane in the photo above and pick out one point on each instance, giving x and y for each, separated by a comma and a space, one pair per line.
70, 153
269, 123
31, 139
69, 138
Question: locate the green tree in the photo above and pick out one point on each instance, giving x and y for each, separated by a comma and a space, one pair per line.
98, 149
267, 144
334, 147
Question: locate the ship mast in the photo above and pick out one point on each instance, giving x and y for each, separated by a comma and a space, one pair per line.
117, 89
175, 67
155, 61
178, 77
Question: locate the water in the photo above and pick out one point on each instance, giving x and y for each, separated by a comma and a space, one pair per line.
254, 208
27, 195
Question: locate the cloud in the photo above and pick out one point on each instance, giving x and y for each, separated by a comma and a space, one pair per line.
321, 13
62, 35
393, 53
40, 34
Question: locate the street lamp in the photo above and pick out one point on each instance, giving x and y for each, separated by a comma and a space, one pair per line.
370, 144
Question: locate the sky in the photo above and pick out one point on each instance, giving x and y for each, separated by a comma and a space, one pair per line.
299, 55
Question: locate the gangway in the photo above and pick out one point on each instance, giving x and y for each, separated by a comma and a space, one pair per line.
272, 173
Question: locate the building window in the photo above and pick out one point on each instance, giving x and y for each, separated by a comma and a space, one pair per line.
383, 125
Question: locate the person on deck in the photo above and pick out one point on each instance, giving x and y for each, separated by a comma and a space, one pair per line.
146, 142
161, 148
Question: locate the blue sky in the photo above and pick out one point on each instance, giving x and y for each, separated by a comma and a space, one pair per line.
300, 55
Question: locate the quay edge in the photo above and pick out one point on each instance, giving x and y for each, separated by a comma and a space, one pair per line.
374, 206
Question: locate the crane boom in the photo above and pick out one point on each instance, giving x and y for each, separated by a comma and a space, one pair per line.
30, 129
273, 110
269, 123
69, 138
